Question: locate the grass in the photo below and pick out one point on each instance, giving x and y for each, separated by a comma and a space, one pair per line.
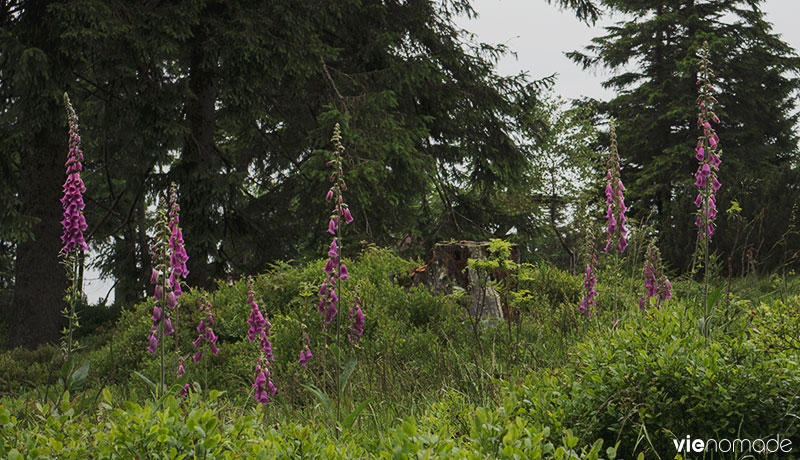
414, 362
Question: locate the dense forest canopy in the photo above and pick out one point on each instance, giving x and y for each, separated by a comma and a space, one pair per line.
235, 101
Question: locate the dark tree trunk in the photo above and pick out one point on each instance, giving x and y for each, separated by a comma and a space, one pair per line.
196, 172
40, 280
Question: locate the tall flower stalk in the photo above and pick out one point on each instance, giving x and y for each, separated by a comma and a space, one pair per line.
163, 296
707, 154
207, 336
356, 319
335, 269
165, 300
177, 251
177, 259
656, 284
615, 198
615, 205
305, 353
74, 224
259, 331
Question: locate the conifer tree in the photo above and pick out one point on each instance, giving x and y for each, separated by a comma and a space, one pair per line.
654, 53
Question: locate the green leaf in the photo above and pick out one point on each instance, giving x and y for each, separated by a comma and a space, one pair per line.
78, 378
323, 398
107, 395
351, 418
713, 298
346, 373
146, 380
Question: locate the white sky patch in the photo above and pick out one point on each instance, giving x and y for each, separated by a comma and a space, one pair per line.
540, 34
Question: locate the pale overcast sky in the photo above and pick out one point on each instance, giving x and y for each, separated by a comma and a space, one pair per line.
540, 34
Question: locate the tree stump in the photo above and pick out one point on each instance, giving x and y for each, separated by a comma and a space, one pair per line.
448, 268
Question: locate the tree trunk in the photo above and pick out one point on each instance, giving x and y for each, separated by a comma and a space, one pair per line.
196, 172
40, 280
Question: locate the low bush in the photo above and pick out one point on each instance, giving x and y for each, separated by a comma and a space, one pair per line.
656, 378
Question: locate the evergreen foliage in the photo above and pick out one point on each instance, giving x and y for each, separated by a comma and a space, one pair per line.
654, 53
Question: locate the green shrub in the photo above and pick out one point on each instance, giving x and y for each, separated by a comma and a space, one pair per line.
22, 368
776, 326
656, 379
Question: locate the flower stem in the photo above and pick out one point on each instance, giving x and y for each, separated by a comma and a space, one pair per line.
72, 300
339, 285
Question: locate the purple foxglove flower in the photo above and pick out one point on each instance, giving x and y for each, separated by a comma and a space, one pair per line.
172, 302
329, 269
612, 224
197, 342
707, 209
305, 356
214, 349
74, 222
332, 226
615, 199
700, 154
329, 196
589, 281
348, 218
700, 181
154, 277
256, 322
181, 368
185, 390
159, 292
197, 356
334, 251
266, 348
330, 313
168, 326
262, 397
666, 290
156, 314
656, 283
343, 275
357, 321
153, 347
